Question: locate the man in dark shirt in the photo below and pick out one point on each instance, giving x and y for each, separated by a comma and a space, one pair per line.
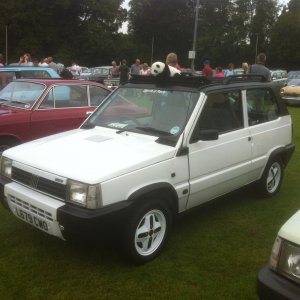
124, 72
259, 68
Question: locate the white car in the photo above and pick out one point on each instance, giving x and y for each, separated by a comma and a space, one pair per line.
153, 149
281, 278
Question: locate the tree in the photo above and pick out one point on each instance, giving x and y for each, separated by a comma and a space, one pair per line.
66, 29
167, 22
284, 46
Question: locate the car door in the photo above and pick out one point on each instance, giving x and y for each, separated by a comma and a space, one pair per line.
222, 164
63, 108
268, 128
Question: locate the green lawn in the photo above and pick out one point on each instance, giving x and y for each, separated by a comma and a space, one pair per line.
214, 253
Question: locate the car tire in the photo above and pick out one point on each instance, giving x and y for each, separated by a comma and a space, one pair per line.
147, 231
271, 180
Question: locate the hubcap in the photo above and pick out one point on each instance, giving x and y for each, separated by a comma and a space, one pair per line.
150, 232
274, 177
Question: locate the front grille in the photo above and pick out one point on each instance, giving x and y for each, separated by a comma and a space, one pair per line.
31, 208
41, 184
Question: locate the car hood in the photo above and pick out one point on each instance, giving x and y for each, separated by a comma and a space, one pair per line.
292, 89
7, 110
291, 229
93, 155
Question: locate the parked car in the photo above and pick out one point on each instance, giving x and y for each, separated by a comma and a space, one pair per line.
112, 83
33, 108
291, 92
293, 77
8, 74
151, 151
279, 77
85, 73
99, 74
239, 71
280, 279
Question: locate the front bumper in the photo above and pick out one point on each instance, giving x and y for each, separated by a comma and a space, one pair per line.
271, 286
292, 100
58, 218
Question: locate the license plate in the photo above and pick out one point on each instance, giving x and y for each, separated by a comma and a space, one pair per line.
31, 219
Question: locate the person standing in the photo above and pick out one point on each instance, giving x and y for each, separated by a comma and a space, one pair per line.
145, 70
259, 68
43, 62
136, 67
172, 60
207, 70
52, 64
115, 73
230, 71
219, 72
245, 68
25, 60
124, 72
1, 60
75, 69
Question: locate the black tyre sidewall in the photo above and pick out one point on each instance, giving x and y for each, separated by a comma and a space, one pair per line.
131, 227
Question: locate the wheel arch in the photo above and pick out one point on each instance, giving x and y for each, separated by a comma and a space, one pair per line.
9, 140
163, 190
284, 153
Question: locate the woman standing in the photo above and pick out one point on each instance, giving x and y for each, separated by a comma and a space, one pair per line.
25, 60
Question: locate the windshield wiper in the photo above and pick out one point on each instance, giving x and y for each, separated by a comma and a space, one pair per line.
154, 130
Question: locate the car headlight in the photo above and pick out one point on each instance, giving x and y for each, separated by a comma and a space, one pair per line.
84, 194
6, 167
285, 259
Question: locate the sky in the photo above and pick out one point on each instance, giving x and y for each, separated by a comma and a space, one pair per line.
124, 27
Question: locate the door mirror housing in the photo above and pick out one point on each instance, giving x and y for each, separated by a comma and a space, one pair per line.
206, 135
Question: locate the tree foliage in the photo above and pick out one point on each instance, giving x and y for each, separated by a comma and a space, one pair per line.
284, 45
87, 30
227, 29
66, 29
165, 23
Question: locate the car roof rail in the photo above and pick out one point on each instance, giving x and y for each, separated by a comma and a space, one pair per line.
244, 77
182, 80
196, 81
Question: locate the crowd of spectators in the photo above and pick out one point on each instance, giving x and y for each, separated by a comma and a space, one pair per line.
123, 71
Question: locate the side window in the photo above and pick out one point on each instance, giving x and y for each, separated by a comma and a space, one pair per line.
222, 111
97, 95
34, 74
63, 96
261, 105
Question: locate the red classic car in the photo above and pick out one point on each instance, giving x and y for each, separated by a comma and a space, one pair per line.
34, 108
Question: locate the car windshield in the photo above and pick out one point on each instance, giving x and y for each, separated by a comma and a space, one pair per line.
85, 70
21, 94
158, 112
294, 81
294, 78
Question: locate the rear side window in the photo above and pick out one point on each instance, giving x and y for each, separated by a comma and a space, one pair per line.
33, 74
63, 96
261, 105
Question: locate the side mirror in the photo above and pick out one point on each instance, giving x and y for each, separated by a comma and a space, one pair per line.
206, 135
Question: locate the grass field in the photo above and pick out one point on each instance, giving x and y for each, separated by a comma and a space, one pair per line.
214, 253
